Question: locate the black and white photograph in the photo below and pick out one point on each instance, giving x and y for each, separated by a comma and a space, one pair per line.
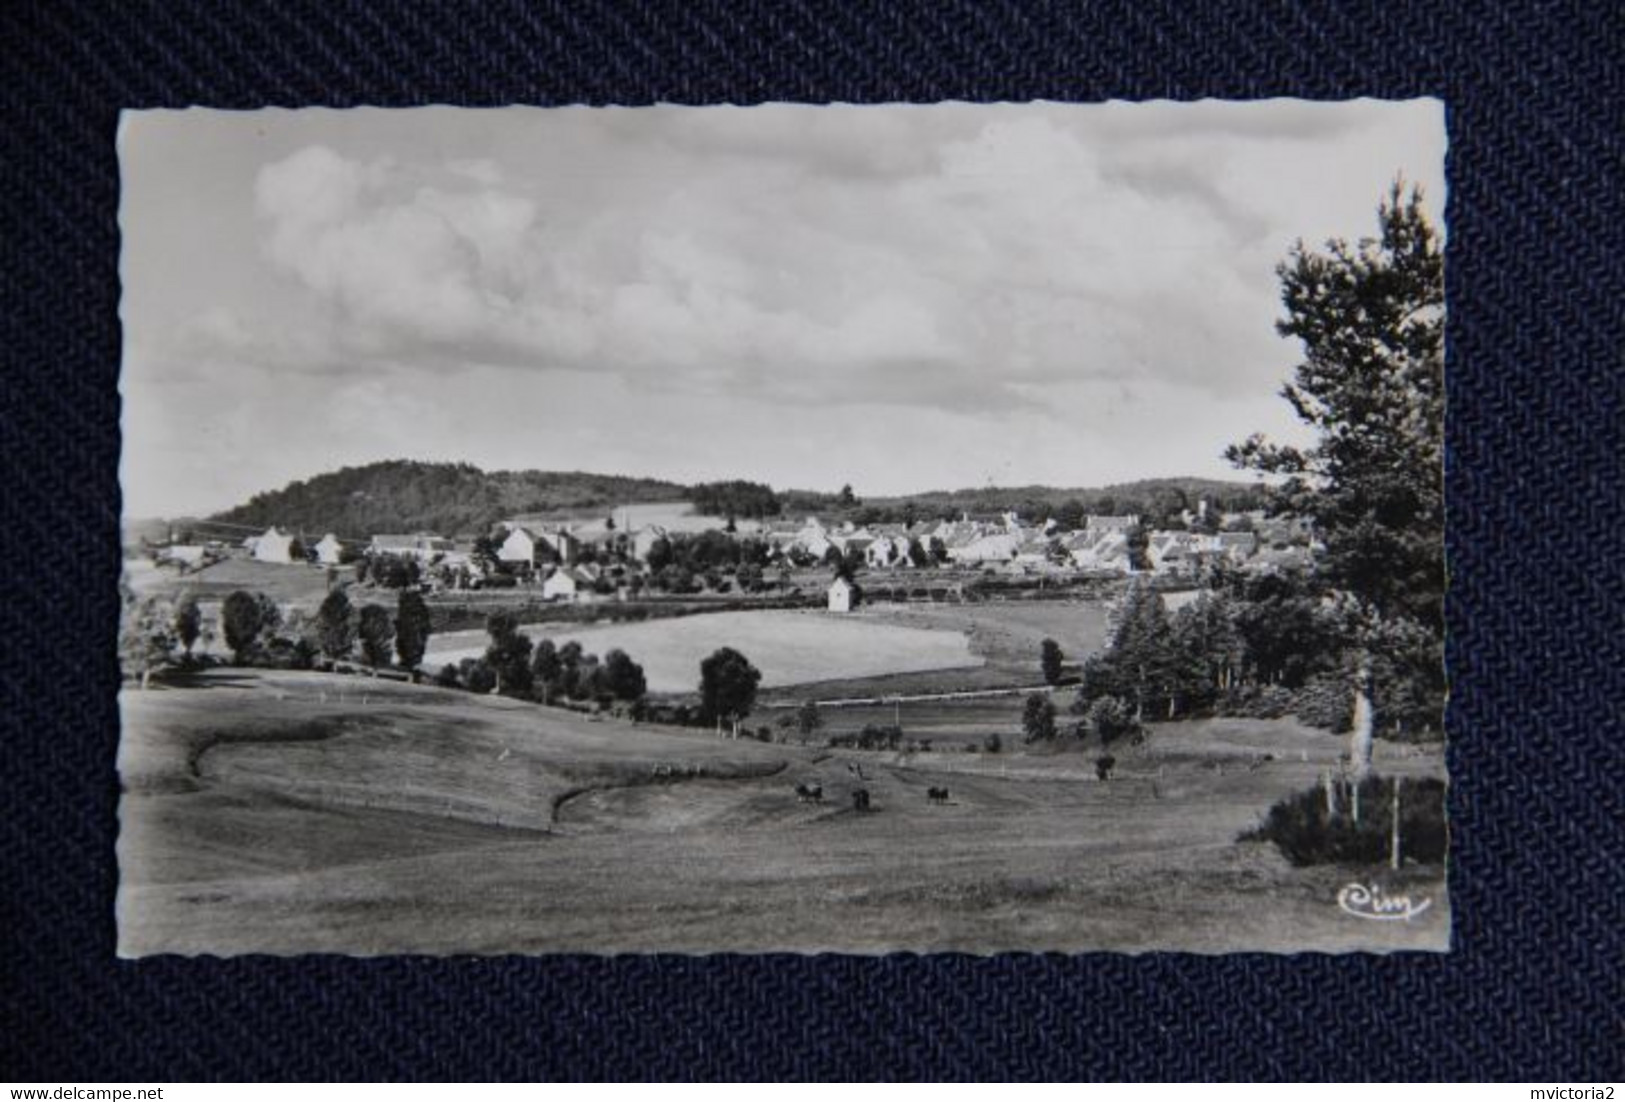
862, 529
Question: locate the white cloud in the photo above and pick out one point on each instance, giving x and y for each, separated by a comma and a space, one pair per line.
983, 273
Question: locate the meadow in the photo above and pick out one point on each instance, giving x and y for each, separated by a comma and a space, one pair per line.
343, 814
789, 647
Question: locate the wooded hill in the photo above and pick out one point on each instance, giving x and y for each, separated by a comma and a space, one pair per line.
1153, 497
451, 498
461, 499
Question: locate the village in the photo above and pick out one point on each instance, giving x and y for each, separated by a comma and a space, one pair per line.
606, 559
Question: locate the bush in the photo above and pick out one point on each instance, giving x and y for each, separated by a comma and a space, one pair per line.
993, 744
1307, 833
1109, 719
447, 678
1326, 701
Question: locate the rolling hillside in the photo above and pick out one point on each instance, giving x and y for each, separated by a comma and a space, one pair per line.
403, 496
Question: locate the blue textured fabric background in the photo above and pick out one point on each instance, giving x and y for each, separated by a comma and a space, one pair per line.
1537, 299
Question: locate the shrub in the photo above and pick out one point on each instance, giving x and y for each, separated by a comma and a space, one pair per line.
1109, 719
1308, 833
447, 678
1325, 701
993, 744
477, 675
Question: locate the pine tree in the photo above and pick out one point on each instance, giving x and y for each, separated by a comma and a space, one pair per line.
1370, 318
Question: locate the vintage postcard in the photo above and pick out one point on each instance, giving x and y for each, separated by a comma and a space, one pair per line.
787, 528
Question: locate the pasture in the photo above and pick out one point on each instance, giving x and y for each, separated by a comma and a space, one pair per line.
298, 584
790, 648
294, 812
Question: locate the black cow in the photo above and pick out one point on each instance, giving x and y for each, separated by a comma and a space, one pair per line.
1104, 766
860, 799
937, 795
810, 793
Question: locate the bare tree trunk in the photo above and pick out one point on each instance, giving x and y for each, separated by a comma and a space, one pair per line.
1393, 846
1365, 716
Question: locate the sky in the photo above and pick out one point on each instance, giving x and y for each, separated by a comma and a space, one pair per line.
902, 298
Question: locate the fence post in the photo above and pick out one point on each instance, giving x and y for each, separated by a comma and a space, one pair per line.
1393, 848
1354, 800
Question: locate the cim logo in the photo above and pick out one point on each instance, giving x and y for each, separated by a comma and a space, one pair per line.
1370, 901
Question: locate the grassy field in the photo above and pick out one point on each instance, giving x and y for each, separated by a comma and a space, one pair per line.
286, 813
1005, 635
298, 584
789, 648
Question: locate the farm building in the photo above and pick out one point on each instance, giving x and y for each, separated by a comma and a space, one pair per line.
840, 595
274, 547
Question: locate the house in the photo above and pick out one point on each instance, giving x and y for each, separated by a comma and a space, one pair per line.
1099, 552
274, 547
561, 585
840, 595
644, 539
1173, 551
1099, 526
423, 546
1000, 547
519, 547
853, 540
534, 546
888, 551
328, 550
187, 556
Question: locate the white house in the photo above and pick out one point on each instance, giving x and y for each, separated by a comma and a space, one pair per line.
524, 545
840, 595
274, 547
888, 550
561, 585
328, 550
520, 546
991, 548
644, 539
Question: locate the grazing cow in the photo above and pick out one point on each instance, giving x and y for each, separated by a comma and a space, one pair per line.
810, 793
856, 770
860, 799
937, 795
1104, 766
